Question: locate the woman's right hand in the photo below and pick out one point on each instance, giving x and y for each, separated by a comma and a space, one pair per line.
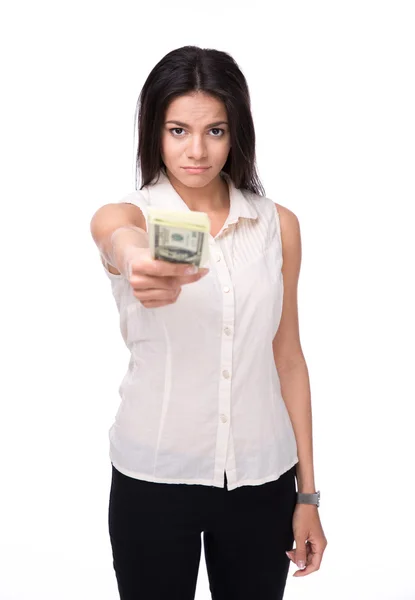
158, 282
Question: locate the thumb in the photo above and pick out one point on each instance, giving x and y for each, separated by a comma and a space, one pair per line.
298, 555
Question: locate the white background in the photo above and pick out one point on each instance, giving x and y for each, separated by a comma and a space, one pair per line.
332, 88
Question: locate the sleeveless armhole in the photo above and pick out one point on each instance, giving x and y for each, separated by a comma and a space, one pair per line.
138, 199
111, 276
277, 216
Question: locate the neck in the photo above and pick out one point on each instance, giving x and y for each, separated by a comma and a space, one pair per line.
213, 197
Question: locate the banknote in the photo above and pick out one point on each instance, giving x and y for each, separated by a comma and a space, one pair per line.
179, 236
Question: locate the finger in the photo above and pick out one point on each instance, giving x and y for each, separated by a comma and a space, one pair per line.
191, 278
145, 282
314, 562
150, 304
157, 294
156, 303
301, 552
167, 282
163, 268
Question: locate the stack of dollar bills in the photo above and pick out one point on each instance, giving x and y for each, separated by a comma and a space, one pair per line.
179, 236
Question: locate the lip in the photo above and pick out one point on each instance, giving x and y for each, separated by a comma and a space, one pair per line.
196, 169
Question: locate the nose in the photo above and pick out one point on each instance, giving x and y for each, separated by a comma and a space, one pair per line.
197, 148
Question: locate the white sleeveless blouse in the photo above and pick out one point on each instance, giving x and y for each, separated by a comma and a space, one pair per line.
201, 394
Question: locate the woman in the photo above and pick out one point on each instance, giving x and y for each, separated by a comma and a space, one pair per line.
215, 420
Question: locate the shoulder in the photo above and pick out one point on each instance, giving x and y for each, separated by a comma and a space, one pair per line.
290, 237
289, 223
265, 204
260, 206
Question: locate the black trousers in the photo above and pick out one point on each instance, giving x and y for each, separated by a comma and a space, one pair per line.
155, 532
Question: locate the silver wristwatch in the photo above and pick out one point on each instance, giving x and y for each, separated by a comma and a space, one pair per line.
308, 498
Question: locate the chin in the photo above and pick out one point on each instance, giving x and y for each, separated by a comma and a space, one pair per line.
195, 180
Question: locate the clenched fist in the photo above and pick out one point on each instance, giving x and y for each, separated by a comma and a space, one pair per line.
158, 282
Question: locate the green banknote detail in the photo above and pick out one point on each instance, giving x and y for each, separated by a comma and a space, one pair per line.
179, 236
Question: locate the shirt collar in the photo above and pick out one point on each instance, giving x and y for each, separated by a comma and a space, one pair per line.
240, 206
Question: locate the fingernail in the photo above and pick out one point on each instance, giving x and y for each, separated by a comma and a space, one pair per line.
191, 270
301, 564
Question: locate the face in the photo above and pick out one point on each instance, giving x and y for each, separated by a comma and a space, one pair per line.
195, 133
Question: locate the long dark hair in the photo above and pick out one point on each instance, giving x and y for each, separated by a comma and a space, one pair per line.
190, 69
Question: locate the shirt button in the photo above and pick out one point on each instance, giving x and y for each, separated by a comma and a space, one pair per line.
226, 374
227, 331
226, 289
223, 418
218, 258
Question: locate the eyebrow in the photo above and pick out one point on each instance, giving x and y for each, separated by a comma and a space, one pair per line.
181, 124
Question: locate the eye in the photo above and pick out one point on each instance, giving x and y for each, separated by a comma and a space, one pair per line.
216, 129
177, 129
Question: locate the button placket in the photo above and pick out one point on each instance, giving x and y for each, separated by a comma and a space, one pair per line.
225, 381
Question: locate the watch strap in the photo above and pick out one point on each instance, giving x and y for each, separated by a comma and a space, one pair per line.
308, 498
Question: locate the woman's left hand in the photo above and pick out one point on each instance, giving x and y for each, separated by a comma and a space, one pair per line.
310, 540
